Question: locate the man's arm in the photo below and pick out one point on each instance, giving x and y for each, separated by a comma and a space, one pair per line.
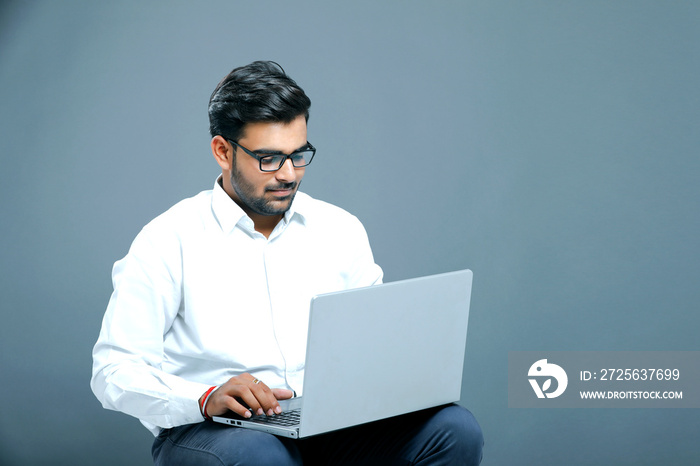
360, 268
128, 355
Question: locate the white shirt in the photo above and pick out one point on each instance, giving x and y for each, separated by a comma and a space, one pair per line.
202, 297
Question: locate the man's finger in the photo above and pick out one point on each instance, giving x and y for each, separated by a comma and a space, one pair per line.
265, 397
251, 399
233, 405
282, 393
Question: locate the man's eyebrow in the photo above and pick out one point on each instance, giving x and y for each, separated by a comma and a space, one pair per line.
279, 152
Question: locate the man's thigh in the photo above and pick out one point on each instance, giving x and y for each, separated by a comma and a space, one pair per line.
447, 435
208, 443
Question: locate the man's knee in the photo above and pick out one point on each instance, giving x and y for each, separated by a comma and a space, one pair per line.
461, 434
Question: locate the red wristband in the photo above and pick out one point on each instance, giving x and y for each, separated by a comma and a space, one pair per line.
203, 402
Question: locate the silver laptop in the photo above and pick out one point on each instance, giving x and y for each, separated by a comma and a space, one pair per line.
372, 353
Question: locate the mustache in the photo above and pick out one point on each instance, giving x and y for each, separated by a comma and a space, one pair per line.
291, 185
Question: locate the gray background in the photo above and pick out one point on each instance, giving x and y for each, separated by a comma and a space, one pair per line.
550, 146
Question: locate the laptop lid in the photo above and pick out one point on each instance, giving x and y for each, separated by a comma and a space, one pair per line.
384, 350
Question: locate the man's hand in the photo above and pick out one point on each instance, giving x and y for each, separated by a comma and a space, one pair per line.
245, 391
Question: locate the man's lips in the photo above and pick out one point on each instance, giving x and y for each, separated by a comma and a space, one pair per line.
282, 191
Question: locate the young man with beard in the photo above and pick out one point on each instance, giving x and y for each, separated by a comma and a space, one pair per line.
210, 306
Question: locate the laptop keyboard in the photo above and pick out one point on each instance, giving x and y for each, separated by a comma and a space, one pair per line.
286, 419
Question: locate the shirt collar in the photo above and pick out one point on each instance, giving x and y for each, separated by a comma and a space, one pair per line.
229, 214
226, 211
299, 208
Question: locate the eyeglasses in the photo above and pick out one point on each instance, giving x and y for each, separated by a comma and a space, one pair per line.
273, 162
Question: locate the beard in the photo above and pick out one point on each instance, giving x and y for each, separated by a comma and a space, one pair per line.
245, 190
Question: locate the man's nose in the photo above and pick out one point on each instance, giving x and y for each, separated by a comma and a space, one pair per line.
286, 172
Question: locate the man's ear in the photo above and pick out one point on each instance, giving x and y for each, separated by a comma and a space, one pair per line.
222, 151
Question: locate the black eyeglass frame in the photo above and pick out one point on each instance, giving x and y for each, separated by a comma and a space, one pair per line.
259, 158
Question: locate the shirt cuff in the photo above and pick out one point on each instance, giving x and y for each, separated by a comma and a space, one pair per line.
185, 402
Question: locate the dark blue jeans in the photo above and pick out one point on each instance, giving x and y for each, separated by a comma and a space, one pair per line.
448, 435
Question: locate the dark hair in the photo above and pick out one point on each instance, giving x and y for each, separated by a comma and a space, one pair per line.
259, 92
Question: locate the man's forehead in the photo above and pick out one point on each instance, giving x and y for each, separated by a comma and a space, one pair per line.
275, 135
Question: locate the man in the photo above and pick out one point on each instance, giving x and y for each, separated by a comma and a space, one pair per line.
210, 306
